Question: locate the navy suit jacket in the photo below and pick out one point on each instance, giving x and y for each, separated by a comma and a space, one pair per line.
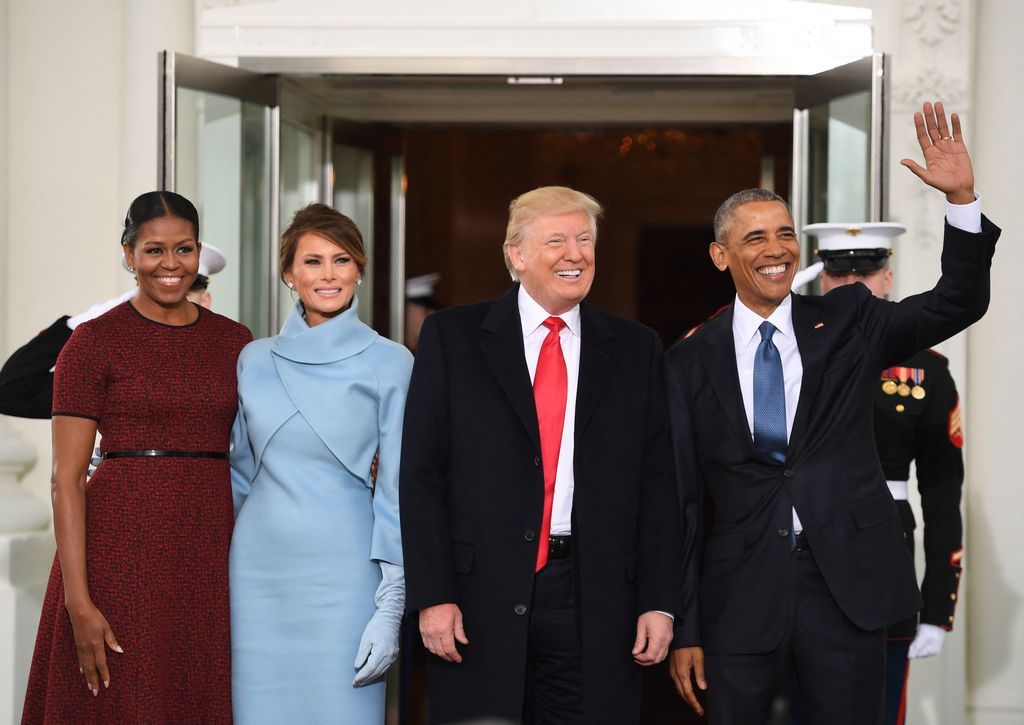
735, 563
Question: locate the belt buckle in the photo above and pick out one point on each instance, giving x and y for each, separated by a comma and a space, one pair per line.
559, 547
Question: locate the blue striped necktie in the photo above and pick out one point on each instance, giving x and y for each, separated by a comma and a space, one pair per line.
769, 397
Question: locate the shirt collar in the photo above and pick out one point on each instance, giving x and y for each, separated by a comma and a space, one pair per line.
745, 322
532, 315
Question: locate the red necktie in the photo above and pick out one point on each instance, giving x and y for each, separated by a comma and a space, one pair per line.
550, 385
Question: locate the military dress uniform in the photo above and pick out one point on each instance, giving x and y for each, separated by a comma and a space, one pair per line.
917, 418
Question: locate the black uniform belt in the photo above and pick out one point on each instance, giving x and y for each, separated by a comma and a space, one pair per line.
559, 547
800, 542
155, 453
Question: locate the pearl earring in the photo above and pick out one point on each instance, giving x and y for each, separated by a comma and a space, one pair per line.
131, 269
290, 285
359, 281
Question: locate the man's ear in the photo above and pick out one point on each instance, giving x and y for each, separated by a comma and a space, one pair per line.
515, 257
717, 253
887, 281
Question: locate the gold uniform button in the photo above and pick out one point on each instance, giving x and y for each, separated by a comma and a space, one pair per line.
953, 596
951, 619
900, 408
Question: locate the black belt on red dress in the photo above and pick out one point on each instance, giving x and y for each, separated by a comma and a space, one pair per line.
155, 453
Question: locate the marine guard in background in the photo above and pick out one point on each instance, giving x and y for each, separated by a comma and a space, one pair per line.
26, 379
917, 418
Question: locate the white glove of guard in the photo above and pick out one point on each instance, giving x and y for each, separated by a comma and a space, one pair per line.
806, 275
379, 644
98, 309
928, 641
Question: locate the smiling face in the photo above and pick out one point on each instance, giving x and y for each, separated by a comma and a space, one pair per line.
324, 275
165, 257
555, 260
761, 253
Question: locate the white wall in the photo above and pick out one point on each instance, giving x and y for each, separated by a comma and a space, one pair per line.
82, 100
995, 499
4, 63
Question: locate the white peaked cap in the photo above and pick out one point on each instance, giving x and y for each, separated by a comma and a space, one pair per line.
866, 235
422, 286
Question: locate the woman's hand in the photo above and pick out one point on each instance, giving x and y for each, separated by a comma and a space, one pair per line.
92, 636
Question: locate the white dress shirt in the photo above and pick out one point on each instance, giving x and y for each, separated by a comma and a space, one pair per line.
746, 338
532, 316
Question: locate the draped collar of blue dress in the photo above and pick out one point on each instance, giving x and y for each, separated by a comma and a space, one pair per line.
336, 339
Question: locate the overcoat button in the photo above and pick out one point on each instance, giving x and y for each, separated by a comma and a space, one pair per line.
783, 533
536, 460
520, 609
529, 534
788, 474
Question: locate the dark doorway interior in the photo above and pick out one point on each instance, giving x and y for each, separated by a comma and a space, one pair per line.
660, 188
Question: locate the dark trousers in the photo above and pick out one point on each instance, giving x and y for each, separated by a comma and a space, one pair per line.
837, 669
554, 665
897, 671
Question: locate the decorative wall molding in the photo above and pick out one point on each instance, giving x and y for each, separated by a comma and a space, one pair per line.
931, 21
931, 85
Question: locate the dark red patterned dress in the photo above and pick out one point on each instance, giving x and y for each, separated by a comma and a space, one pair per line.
157, 529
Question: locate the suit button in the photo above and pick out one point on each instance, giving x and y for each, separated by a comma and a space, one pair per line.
788, 474
520, 609
783, 533
536, 460
529, 535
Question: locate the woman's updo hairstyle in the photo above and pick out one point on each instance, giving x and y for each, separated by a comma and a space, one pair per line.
327, 222
153, 205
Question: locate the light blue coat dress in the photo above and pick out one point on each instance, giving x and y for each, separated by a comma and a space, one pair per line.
315, 404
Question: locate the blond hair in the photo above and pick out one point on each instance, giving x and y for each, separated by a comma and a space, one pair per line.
527, 208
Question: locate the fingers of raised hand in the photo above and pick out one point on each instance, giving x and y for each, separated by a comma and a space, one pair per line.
958, 134
937, 129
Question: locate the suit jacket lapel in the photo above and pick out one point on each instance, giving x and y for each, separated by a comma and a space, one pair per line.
598, 354
810, 341
719, 360
502, 346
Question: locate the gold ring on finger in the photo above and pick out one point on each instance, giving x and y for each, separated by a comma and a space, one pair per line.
946, 138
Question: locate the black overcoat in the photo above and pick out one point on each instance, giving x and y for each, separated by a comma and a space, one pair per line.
472, 493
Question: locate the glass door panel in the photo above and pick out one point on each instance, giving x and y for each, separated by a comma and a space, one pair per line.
219, 137
301, 163
354, 197
839, 146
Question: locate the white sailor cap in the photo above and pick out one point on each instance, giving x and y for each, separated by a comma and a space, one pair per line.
211, 260
421, 287
860, 247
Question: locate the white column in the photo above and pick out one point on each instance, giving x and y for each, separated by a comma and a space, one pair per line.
995, 498
25, 542
25, 550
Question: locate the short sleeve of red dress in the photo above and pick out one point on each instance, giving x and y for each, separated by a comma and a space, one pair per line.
80, 376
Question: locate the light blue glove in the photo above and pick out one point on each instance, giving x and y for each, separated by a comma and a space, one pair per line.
379, 644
